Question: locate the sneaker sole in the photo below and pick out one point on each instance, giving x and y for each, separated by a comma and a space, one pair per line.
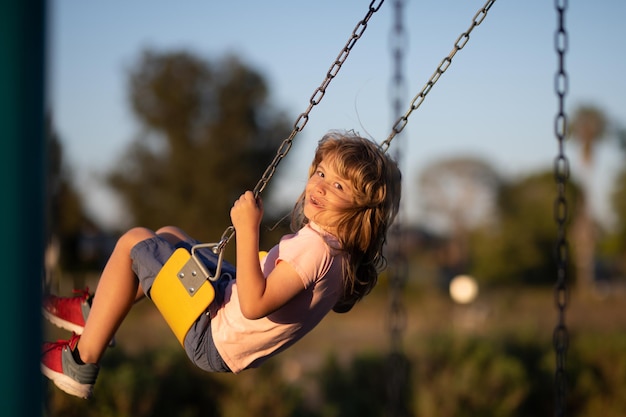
67, 384
66, 325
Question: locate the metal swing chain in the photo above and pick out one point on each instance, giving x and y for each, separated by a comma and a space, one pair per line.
317, 96
560, 337
302, 120
397, 370
443, 66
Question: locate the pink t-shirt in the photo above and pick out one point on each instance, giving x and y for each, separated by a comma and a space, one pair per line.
244, 343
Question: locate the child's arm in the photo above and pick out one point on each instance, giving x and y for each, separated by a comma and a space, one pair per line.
258, 296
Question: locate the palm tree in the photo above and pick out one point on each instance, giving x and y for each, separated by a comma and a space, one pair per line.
588, 126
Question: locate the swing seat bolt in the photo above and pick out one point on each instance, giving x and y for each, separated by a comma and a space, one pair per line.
181, 275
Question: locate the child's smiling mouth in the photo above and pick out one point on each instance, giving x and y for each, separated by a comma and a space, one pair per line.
315, 202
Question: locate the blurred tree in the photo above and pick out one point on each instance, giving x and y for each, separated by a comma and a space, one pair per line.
619, 206
519, 247
208, 133
457, 195
588, 126
65, 214
614, 246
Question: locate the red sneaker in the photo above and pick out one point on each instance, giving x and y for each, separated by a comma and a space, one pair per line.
58, 364
69, 313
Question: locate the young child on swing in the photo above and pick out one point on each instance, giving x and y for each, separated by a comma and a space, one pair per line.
330, 262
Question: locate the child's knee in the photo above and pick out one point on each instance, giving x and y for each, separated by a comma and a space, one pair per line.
172, 230
173, 234
135, 235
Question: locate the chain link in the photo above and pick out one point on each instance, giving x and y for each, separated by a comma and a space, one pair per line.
560, 338
443, 66
303, 118
397, 271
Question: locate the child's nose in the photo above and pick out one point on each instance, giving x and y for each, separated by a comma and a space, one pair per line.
320, 188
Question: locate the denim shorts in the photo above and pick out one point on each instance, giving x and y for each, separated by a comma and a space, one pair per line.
148, 257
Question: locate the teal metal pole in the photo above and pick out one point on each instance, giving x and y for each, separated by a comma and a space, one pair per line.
22, 86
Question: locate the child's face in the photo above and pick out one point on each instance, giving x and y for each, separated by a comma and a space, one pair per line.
327, 194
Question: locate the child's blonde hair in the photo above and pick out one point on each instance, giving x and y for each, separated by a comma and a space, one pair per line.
361, 229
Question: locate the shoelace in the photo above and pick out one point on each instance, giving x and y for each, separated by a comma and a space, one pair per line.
84, 293
59, 344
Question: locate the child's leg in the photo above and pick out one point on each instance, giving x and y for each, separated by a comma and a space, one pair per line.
117, 291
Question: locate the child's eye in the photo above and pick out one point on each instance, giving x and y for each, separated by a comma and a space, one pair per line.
319, 174
338, 186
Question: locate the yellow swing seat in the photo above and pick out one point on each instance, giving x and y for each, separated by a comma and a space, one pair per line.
182, 291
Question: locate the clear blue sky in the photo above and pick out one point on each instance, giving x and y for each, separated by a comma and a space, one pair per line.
496, 100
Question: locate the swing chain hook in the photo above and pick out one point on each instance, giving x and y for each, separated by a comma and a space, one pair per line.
218, 249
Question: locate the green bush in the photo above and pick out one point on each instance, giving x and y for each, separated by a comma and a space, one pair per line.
598, 383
